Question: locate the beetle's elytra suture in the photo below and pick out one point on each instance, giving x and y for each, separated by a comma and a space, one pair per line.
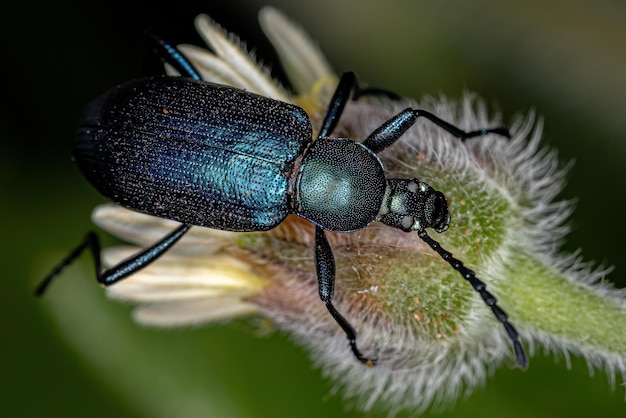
215, 156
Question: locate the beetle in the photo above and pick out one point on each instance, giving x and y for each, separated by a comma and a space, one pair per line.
215, 156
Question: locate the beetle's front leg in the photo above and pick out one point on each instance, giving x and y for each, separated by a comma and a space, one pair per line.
390, 131
325, 267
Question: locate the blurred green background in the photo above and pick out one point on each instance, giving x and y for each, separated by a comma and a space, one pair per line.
76, 354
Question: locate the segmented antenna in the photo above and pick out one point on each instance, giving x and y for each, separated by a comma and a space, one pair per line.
481, 288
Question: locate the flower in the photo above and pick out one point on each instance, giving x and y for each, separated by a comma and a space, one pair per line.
433, 336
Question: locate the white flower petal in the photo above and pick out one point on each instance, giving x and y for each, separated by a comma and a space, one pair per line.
301, 58
231, 52
173, 277
213, 68
194, 312
185, 290
145, 230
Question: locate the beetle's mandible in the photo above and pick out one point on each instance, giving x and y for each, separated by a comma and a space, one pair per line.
215, 156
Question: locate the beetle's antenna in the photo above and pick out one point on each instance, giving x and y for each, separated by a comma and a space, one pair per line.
481, 288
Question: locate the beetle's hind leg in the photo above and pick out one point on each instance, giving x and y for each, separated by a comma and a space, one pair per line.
92, 243
172, 56
119, 271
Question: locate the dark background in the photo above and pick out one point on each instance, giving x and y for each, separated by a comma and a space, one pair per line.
76, 354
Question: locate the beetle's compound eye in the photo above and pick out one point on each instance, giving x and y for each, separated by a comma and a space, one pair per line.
436, 211
407, 222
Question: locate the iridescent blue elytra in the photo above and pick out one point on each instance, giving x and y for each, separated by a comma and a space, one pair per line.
215, 156
195, 152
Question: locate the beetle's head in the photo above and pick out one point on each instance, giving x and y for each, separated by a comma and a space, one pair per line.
412, 205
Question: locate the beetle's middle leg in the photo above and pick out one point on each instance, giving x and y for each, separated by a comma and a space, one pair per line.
337, 104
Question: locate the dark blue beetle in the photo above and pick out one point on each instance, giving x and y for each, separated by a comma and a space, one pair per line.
215, 156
